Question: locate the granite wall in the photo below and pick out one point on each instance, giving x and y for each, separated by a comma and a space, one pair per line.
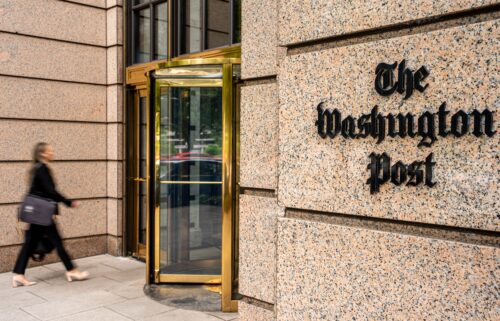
61, 82
317, 241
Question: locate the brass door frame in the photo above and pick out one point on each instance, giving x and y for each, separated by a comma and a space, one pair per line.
139, 249
228, 172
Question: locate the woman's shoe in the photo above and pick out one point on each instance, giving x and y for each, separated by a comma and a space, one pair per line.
20, 280
78, 276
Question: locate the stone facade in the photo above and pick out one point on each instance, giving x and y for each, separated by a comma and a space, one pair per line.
332, 249
61, 82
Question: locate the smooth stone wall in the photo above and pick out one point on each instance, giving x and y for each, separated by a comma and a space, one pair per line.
54, 100
71, 141
74, 180
74, 22
330, 174
332, 272
20, 56
306, 20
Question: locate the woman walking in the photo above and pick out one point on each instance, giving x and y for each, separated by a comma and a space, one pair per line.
43, 185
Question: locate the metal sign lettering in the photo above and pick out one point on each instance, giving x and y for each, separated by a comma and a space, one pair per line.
427, 127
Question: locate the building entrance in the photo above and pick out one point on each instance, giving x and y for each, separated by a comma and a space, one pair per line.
191, 171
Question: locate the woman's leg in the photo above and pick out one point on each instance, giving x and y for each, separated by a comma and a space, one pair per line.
54, 237
31, 237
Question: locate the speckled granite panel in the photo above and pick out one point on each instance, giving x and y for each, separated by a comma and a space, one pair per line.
115, 103
330, 175
70, 140
115, 65
54, 19
331, 272
114, 23
21, 56
74, 180
114, 246
249, 312
95, 3
77, 248
259, 136
257, 272
115, 216
115, 174
306, 20
89, 218
258, 38
41, 99
115, 141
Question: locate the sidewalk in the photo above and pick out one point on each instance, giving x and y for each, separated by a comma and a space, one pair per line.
114, 292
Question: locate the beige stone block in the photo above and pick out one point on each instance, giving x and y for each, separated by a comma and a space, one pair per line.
259, 38
330, 175
313, 19
41, 99
89, 218
250, 312
332, 272
115, 173
73, 179
71, 141
115, 103
259, 136
115, 141
115, 216
74, 23
258, 228
77, 248
115, 245
20, 56
95, 3
114, 22
115, 68
112, 3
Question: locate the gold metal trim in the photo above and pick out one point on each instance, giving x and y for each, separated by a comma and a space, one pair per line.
190, 278
189, 183
227, 186
190, 82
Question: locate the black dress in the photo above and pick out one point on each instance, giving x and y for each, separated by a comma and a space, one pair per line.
43, 185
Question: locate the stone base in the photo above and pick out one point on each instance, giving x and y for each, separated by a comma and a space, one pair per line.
77, 248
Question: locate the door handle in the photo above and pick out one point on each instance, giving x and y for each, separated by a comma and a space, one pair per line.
137, 179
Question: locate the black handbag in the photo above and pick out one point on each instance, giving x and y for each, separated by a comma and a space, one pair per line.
37, 210
43, 247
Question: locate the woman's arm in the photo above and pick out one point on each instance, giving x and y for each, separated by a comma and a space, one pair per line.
47, 183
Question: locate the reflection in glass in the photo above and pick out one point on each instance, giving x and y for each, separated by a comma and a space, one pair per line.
142, 169
190, 153
142, 35
161, 31
237, 21
140, 1
218, 23
191, 26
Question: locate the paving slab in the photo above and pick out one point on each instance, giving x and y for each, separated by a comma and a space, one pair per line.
139, 308
100, 314
182, 315
16, 314
78, 303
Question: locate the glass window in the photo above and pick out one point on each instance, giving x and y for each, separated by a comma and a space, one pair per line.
150, 27
161, 31
218, 23
142, 19
208, 24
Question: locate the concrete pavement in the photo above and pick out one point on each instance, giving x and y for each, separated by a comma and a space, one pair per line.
114, 292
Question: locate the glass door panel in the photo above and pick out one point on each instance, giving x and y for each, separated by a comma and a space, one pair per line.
190, 177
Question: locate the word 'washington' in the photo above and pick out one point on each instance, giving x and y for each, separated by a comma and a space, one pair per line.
427, 126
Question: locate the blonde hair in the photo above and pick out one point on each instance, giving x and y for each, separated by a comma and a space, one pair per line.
38, 150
